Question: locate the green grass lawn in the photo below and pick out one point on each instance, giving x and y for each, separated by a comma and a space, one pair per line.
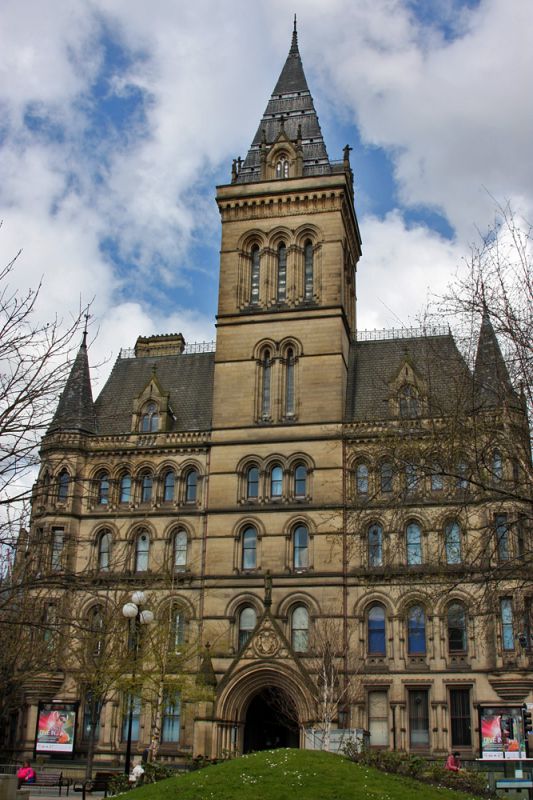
291, 775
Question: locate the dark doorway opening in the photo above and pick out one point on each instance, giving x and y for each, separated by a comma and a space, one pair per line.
270, 722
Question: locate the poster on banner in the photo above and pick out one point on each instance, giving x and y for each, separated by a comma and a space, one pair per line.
56, 726
502, 733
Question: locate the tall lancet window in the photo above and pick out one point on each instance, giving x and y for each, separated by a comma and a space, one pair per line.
308, 270
254, 294
265, 388
289, 384
282, 274
282, 168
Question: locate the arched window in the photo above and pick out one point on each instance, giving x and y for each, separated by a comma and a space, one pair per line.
300, 481
180, 550
169, 485
179, 622
62, 486
142, 551
376, 630
247, 622
104, 551
171, 717
301, 547
412, 477
125, 488
265, 385
416, 631
249, 549
457, 642
361, 479
289, 384
147, 483
502, 537
408, 401
386, 477
281, 294
413, 544
507, 623
437, 478
462, 475
96, 630
102, 489
308, 270
57, 553
300, 629
497, 466
375, 546
282, 167
150, 418
452, 543
49, 626
254, 276
252, 483
92, 709
191, 486
276, 481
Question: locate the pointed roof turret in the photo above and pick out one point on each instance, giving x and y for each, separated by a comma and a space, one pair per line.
75, 410
491, 377
290, 111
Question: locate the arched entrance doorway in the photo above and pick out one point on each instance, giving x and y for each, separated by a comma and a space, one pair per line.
271, 722
248, 703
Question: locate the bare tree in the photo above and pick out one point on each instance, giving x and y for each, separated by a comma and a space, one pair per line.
454, 444
98, 655
334, 672
35, 360
498, 277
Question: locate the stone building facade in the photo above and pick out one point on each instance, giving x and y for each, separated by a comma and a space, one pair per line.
300, 500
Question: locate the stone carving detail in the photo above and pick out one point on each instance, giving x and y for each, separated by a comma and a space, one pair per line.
266, 643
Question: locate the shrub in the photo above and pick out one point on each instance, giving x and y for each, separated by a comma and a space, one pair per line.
465, 780
153, 772
416, 767
118, 784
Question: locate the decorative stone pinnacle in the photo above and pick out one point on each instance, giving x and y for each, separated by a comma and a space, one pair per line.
294, 43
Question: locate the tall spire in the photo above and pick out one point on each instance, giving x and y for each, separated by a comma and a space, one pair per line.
75, 410
290, 107
491, 377
294, 43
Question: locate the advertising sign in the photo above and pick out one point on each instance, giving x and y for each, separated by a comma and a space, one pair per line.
56, 727
502, 733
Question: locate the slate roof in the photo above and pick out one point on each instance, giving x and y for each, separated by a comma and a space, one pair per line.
75, 409
374, 365
291, 99
187, 378
445, 381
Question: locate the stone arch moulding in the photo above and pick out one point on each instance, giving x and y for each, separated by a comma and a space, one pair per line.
235, 696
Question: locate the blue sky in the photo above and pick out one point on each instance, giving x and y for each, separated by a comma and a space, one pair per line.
118, 119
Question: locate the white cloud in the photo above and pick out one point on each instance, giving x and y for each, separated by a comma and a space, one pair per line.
400, 269
454, 115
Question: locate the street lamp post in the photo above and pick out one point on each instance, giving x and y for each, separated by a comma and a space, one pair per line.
140, 616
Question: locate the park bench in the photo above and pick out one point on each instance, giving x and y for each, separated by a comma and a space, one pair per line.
50, 779
100, 783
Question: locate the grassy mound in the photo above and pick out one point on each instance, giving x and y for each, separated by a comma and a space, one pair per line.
291, 775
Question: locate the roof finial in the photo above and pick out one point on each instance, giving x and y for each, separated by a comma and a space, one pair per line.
86, 317
294, 43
